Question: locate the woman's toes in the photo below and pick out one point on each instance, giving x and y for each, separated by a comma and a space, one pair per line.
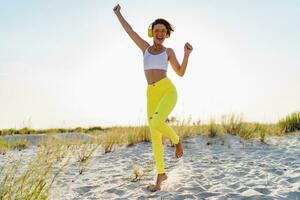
178, 150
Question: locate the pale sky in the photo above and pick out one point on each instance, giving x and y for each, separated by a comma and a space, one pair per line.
68, 63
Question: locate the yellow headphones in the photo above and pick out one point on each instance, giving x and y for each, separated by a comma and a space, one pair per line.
150, 32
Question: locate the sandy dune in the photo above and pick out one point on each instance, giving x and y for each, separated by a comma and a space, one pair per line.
226, 169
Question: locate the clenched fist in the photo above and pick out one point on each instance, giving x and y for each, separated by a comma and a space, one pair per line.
188, 48
117, 9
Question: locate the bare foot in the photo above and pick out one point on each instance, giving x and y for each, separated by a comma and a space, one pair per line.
159, 180
178, 149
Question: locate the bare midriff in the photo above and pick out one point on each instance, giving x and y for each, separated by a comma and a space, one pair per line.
154, 75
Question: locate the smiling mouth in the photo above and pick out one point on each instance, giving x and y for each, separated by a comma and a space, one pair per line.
160, 39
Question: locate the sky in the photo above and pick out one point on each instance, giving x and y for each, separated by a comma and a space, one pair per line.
70, 63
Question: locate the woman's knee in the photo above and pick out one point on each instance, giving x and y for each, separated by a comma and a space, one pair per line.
156, 124
155, 135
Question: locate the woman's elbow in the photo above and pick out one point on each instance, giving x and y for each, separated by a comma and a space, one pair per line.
180, 72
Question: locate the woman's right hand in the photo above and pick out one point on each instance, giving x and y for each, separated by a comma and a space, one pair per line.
117, 9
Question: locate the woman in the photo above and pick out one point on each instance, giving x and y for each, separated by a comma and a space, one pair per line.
161, 93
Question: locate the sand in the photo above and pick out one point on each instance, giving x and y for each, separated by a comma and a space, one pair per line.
226, 169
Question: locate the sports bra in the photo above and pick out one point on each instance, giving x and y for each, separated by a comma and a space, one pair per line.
155, 61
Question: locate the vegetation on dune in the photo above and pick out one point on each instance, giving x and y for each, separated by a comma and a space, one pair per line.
111, 137
35, 179
28, 130
290, 123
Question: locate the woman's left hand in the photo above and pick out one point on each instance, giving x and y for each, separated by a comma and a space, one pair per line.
188, 48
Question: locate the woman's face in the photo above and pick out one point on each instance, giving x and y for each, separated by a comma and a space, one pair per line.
159, 33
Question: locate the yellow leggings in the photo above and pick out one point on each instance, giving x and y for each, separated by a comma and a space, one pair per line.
161, 99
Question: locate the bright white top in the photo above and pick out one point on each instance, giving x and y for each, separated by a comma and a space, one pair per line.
156, 61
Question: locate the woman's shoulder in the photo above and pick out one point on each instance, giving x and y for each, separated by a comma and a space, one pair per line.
145, 48
169, 50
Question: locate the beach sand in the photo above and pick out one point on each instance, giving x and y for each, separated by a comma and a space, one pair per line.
228, 168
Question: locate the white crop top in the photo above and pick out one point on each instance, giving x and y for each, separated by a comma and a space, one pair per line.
156, 61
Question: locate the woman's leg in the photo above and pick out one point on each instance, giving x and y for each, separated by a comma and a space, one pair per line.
157, 110
156, 136
161, 112
158, 150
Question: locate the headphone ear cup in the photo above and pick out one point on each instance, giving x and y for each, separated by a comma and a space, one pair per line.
150, 33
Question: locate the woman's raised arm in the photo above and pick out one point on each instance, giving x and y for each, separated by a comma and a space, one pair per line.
142, 44
180, 69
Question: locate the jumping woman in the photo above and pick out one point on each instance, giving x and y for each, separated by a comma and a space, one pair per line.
161, 92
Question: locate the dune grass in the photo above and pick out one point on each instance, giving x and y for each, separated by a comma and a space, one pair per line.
229, 124
28, 130
112, 137
139, 172
84, 155
117, 136
18, 144
34, 180
213, 129
29, 181
290, 123
3, 147
232, 124
185, 128
81, 150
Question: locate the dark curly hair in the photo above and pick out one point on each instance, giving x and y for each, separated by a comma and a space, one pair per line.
169, 26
